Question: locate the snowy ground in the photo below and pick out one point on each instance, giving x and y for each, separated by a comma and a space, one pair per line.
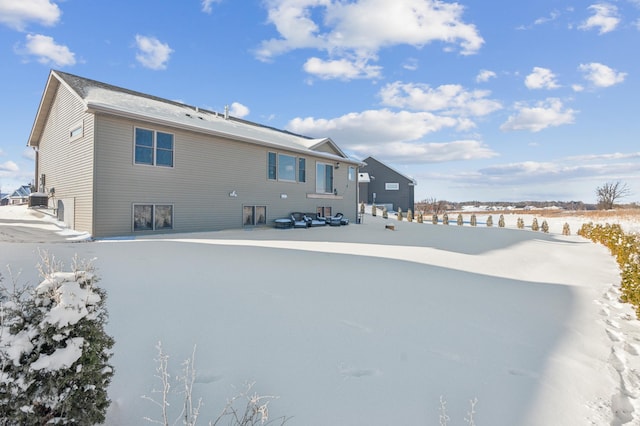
360, 325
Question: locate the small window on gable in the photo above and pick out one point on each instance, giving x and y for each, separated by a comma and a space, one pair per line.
76, 131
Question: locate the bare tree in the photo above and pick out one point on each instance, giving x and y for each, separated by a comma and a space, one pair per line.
610, 192
433, 205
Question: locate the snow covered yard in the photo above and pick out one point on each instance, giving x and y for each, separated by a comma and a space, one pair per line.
360, 325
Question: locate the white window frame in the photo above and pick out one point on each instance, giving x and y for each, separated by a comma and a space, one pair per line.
154, 148
322, 189
76, 131
277, 176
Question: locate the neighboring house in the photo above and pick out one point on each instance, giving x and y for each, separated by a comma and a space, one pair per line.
118, 162
19, 196
381, 184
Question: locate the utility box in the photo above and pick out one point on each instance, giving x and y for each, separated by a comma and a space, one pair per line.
38, 199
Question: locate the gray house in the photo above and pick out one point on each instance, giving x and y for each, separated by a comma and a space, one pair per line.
381, 184
118, 162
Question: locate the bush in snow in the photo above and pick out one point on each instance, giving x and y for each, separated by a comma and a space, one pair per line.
545, 227
434, 219
520, 223
420, 217
445, 219
409, 216
245, 409
385, 213
566, 230
534, 224
501, 221
362, 208
474, 220
373, 210
626, 249
459, 220
490, 221
54, 351
399, 215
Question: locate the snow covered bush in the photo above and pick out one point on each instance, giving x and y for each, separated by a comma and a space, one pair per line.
545, 226
385, 213
459, 220
362, 208
520, 223
474, 220
445, 219
534, 225
501, 221
490, 221
566, 230
399, 215
54, 351
420, 217
409, 216
626, 249
374, 210
434, 219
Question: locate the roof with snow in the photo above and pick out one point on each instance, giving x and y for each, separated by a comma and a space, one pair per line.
100, 97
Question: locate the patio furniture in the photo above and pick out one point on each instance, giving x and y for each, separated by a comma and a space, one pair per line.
283, 223
300, 220
338, 220
316, 220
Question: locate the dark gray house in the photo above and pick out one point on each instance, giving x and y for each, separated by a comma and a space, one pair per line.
380, 184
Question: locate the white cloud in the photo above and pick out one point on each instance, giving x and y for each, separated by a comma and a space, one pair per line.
207, 5
601, 75
541, 78
484, 76
552, 17
424, 152
238, 110
548, 113
152, 53
605, 18
47, 51
18, 13
448, 98
373, 126
8, 166
29, 154
341, 69
359, 29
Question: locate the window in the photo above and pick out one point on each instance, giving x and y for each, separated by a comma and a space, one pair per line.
153, 148
324, 178
352, 173
286, 168
272, 166
76, 131
152, 217
324, 211
254, 215
302, 170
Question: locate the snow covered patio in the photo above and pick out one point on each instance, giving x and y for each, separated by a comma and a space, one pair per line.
360, 325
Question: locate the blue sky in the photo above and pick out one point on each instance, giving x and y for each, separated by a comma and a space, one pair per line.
493, 100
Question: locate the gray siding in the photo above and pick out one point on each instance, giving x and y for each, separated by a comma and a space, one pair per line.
68, 165
206, 169
381, 175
